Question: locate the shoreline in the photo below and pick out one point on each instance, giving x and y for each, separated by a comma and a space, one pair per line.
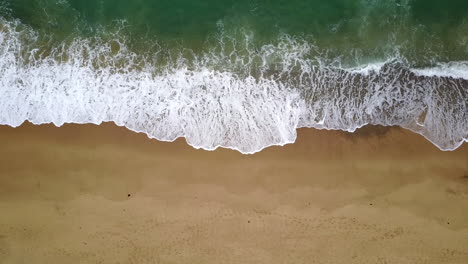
357, 132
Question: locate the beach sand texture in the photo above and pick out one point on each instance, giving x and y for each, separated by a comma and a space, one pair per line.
103, 194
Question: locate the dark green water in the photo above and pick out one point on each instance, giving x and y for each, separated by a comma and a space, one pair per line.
423, 31
240, 74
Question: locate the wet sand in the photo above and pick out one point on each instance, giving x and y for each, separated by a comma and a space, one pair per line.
103, 194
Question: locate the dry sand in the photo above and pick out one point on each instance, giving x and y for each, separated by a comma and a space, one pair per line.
103, 194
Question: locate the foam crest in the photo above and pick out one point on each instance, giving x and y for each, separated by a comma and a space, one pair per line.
367, 69
457, 70
232, 96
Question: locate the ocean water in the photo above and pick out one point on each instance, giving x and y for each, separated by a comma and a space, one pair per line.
241, 74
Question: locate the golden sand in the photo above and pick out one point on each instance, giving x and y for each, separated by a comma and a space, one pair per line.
103, 194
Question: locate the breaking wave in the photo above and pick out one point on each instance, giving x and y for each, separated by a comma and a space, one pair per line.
232, 95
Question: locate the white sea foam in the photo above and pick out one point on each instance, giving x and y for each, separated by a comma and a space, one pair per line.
458, 69
368, 68
216, 101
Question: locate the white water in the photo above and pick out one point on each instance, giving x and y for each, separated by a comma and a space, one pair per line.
457, 69
214, 102
367, 69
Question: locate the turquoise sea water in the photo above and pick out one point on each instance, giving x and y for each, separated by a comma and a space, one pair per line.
239, 74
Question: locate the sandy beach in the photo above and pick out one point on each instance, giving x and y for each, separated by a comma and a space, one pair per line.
103, 194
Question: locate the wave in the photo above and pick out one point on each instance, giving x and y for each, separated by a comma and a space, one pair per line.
456, 69
243, 99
